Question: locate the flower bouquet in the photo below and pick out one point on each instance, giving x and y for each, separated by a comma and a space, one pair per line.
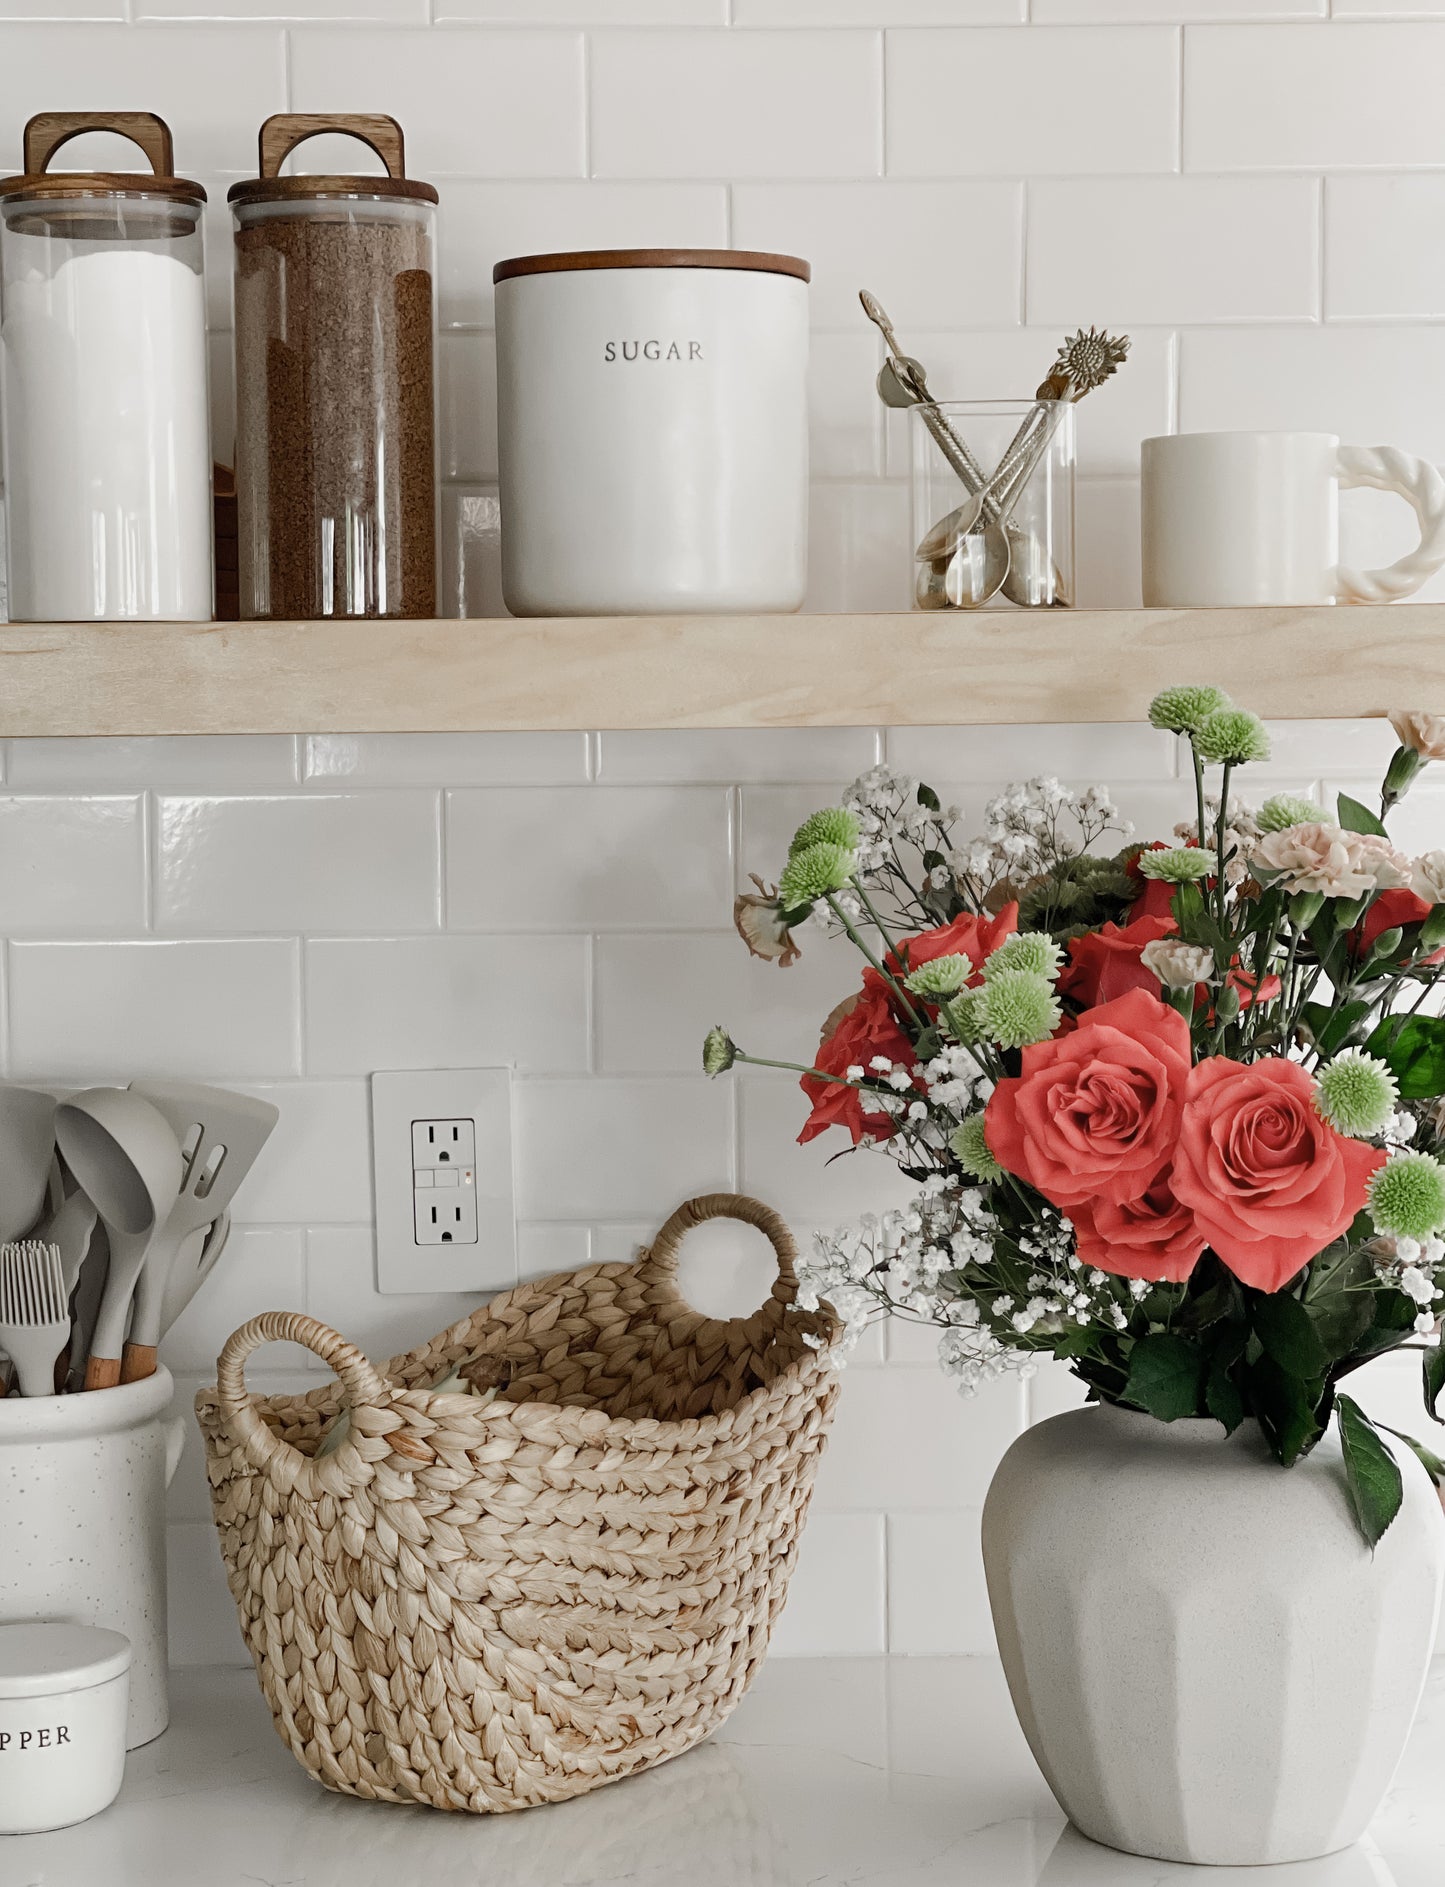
1174, 1110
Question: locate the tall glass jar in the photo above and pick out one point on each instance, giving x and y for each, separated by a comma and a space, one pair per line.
993, 504
335, 400
104, 418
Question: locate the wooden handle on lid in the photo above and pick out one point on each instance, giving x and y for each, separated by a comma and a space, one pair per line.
48, 130
280, 136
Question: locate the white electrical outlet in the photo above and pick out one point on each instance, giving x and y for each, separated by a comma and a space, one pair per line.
442, 1152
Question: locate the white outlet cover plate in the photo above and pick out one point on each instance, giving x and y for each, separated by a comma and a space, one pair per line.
398, 1098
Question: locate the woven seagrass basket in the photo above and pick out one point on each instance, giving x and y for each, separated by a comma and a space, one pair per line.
487, 1605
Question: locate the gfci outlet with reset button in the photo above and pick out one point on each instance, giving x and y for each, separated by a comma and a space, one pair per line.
442, 1154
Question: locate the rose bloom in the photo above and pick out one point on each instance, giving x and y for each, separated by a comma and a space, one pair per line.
1095, 1113
1423, 733
1105, 963
1336, 863
1269, 1182
1151, 1237
973, 937
1386, 912
857, 1030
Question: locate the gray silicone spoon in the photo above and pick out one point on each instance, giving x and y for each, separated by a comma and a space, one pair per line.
128, 1161
27, 1142
221, 1134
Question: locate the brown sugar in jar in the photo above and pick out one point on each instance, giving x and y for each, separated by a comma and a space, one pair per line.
335, 384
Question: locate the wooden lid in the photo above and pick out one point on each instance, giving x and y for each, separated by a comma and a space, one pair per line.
282, 133
48, 130
566, 260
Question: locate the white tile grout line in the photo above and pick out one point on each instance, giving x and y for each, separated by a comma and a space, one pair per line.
586, 59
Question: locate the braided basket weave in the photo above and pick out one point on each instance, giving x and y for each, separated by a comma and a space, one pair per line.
486, 1605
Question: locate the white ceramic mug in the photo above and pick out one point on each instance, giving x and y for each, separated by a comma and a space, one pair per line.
1236, 518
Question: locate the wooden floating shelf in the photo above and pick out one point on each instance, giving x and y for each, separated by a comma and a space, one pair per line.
708, 671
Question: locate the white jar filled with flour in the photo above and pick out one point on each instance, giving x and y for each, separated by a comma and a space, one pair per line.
104, 418
652, 419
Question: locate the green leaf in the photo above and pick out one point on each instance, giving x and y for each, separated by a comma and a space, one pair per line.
1210, 1297
1286, 1408
1428, 1459
1376, 1485
1222, 1395
1414, 1051
1433, 1372
1357, 818
1341, 1319
1288, 1334
928, 799
1166, 1376
1330, 1027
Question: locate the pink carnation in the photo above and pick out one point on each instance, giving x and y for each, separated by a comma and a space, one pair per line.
1331, 861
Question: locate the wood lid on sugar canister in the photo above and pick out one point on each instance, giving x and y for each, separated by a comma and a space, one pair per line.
564, 261
47, 131
282, 133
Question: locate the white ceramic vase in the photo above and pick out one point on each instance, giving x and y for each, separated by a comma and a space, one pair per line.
1209, 1664
83, 1497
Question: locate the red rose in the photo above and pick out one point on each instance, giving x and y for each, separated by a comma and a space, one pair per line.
1095, 1113
1103, 964
866, 1027
1269, 1182
973, 937
1150, 1237
1391, 908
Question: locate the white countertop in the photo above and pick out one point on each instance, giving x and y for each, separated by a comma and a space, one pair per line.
893, 1772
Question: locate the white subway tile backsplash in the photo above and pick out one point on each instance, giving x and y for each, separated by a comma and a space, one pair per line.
260, 1269
1218, 249
676, 104
904, 1439
721, 755
874, 12
203, 1010
45, 11
338, 12
316, 1167
341, 1291
835, 1605
1106, 544
620, 1149
984, 758
459, 759
202, 1612
488, 221
1381, 259
1100, 99
471, 552
578, 858
213, 84
845, 415
446, 1002
1140, 12
860, 555
72, 865
896, 226
312, 862
799, 1180
467, 405
471, 104
195, 760
1313, 97
583, 12
937, 1598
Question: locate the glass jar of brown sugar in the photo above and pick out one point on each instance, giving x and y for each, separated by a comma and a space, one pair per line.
335, 316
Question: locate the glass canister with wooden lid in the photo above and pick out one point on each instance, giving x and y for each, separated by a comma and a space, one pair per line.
335, 318
104, 418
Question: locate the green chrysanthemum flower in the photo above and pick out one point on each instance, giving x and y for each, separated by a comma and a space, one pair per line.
1185, 710
1232, 736
944, 976
1356, 1093
834, 825
813, 873
1285, 810
965, 1017
1020, 1008
1031, 950
1407, 1196
970, 1149
1179, 865
719, 1052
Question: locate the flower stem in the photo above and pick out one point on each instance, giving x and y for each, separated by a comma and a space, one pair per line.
920, 1020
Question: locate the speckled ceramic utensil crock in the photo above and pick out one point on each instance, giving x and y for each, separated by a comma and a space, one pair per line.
83, 1493
1208, 1662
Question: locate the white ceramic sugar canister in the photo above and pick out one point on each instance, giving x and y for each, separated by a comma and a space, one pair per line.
63, 1695
653, 431
83, 1522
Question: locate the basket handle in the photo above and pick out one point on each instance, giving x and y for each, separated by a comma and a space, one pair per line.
660, 1259
357, 1377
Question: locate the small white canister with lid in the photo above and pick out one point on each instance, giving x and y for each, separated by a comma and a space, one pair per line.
63, 1691
653, 431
